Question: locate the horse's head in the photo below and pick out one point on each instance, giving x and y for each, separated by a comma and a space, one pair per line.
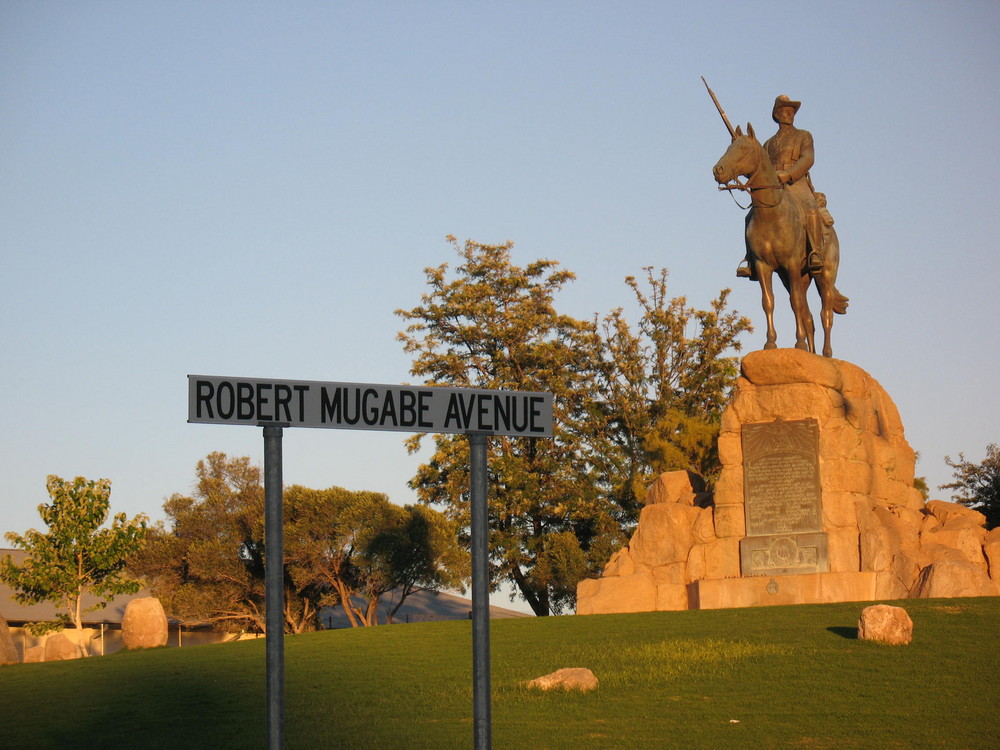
743, 157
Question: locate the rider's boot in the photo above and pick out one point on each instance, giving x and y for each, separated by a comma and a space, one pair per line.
746, 269
814, 261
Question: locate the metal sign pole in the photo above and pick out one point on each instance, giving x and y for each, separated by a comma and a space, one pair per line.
274, 587
480, 594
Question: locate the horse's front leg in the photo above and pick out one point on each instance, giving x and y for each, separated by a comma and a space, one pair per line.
767, 302
810, 324
825, 287
804, 326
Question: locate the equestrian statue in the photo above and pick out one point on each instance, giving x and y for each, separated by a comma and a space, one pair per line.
789, 230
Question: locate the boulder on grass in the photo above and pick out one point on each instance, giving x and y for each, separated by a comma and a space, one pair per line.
144, 624
8, 651
59, 647
570, 678
885, 624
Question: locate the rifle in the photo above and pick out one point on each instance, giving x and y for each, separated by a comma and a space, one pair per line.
718, 106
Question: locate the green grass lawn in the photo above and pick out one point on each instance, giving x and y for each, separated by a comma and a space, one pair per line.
782, 677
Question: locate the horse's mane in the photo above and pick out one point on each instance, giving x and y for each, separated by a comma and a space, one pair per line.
764, 160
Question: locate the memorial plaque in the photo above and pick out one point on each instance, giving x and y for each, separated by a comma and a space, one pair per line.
783, 501
781, 477
777, 555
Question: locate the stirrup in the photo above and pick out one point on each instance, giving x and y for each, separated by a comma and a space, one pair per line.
815, 263
743, 271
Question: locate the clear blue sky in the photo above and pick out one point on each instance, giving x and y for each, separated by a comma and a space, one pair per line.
248, 188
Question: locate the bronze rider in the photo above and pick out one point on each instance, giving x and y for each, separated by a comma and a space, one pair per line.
791, 153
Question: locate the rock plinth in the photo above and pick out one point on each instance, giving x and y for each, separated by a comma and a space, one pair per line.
144, 624
880, 540
953, 577
885, 624
569, 678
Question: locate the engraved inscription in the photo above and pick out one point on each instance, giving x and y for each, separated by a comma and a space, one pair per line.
783, 552
781, 473
784, 555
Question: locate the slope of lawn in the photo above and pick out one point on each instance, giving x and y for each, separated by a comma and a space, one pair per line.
793, 677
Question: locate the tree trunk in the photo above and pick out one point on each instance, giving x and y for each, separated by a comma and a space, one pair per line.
296, 625
345, 601
404, 592
78, 622
371, 612
538, 602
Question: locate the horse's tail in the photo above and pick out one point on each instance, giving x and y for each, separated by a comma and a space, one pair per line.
839, 302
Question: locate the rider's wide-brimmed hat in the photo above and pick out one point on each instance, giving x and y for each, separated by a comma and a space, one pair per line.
783, 101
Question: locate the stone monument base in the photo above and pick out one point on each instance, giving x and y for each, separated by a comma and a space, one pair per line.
760, 591
815, 503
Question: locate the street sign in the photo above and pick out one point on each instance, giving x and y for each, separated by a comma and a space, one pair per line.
366, 406
276, 404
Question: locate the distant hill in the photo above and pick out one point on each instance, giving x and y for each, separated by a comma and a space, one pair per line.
421, 606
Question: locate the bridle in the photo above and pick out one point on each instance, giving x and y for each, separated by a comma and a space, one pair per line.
747, 187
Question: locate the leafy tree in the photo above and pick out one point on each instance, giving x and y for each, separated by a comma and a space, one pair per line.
421, 551
920, 483
626, 405
664, 387
493, 325
208, 564
76, 556
358, 545
978, 485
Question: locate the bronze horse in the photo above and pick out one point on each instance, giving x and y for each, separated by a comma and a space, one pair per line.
777, 242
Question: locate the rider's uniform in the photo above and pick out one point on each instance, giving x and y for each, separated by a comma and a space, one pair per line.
791, 151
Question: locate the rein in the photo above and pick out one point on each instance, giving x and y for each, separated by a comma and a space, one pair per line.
737, 185
747, 187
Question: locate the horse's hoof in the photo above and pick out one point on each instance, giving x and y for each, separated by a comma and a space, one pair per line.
770, 345
803, 346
